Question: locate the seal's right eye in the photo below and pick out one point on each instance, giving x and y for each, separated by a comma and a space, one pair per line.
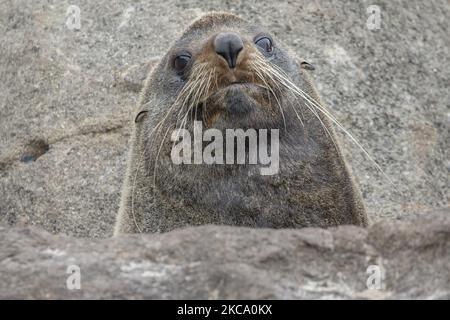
181, 61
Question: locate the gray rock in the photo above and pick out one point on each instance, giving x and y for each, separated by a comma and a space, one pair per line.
75, 91
217, 262
66, 101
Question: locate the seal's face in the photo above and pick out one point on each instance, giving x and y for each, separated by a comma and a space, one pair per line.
217, 69
232, 75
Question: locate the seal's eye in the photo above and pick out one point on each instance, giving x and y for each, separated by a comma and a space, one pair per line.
265, 43
181, 61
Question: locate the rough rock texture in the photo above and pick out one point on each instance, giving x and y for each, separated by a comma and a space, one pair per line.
212, 262
66, 97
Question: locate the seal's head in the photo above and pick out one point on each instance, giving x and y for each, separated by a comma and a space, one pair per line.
226, 73
217, 72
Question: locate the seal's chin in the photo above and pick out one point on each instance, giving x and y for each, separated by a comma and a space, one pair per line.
238, 105
239, 99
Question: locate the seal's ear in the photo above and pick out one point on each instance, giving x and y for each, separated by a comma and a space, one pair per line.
307, 66
141, 115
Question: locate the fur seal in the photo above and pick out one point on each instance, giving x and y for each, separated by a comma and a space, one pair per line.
226, 73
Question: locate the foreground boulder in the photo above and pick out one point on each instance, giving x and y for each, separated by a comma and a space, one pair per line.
216, 262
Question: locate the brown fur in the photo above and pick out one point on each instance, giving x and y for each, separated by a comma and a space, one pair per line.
314, 187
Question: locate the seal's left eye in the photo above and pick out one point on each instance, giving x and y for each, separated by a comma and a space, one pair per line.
265, 43
181, 62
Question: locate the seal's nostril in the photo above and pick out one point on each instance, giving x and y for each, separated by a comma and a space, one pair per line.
228, 45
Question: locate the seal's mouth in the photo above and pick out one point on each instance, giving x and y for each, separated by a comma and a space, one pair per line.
241, 95
243, 85
246, 87
236, 89
239, 83
236, 99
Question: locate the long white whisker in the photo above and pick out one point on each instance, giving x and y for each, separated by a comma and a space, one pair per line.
290, 85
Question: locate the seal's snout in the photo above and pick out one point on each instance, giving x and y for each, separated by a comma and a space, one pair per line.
228, 45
